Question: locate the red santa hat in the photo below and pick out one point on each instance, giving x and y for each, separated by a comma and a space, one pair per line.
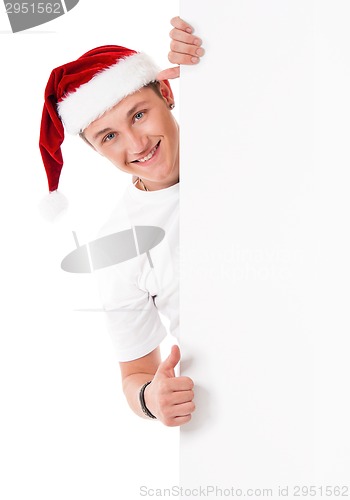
79, 92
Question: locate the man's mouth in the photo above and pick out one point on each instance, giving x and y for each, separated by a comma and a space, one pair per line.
149, 156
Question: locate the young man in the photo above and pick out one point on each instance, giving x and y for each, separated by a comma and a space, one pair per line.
119, 103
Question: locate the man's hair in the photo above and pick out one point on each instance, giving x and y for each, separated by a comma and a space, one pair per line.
155, 86
152, 85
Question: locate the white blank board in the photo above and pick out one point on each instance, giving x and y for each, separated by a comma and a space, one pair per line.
265, 272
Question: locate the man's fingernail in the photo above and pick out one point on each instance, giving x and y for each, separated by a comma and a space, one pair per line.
189, 30
194, 59
197, 41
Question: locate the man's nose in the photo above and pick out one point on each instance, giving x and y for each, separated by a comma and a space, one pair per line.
136, 142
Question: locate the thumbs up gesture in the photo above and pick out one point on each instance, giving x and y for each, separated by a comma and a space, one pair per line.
168, 397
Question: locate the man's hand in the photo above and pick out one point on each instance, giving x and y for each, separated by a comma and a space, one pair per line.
185, 48
168, 397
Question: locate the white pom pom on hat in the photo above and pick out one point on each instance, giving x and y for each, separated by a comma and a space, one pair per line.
53, 205
79, 92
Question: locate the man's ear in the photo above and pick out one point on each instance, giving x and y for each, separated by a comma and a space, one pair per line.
165, 90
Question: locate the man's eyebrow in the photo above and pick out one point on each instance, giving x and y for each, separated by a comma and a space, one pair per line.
101, 132
134, 108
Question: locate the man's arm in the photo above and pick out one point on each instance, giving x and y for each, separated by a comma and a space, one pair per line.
169, 398
135, 374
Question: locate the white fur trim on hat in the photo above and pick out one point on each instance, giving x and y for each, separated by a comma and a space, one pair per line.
80, 108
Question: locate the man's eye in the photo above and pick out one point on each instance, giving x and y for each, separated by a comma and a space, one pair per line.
139, 115
109, 137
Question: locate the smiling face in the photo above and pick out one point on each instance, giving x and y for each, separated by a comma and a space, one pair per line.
140, 136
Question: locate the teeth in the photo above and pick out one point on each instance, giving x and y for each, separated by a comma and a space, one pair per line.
149, 156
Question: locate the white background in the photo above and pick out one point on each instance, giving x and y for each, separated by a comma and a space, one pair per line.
66, 430
265, 245
265, 162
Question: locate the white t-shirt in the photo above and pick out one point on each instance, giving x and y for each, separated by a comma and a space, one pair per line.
133, 292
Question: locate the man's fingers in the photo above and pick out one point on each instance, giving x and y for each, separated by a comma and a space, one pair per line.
185, 53
182, 409
177, 421
180, 384
176, 58
179, 23
184, 48
181, 36
169, 74
179, 414
182, 397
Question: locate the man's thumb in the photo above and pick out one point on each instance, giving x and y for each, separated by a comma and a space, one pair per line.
169, 74
168, 365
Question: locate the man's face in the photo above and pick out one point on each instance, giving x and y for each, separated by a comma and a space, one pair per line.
140, 136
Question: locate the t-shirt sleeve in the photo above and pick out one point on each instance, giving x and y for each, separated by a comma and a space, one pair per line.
133, 320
